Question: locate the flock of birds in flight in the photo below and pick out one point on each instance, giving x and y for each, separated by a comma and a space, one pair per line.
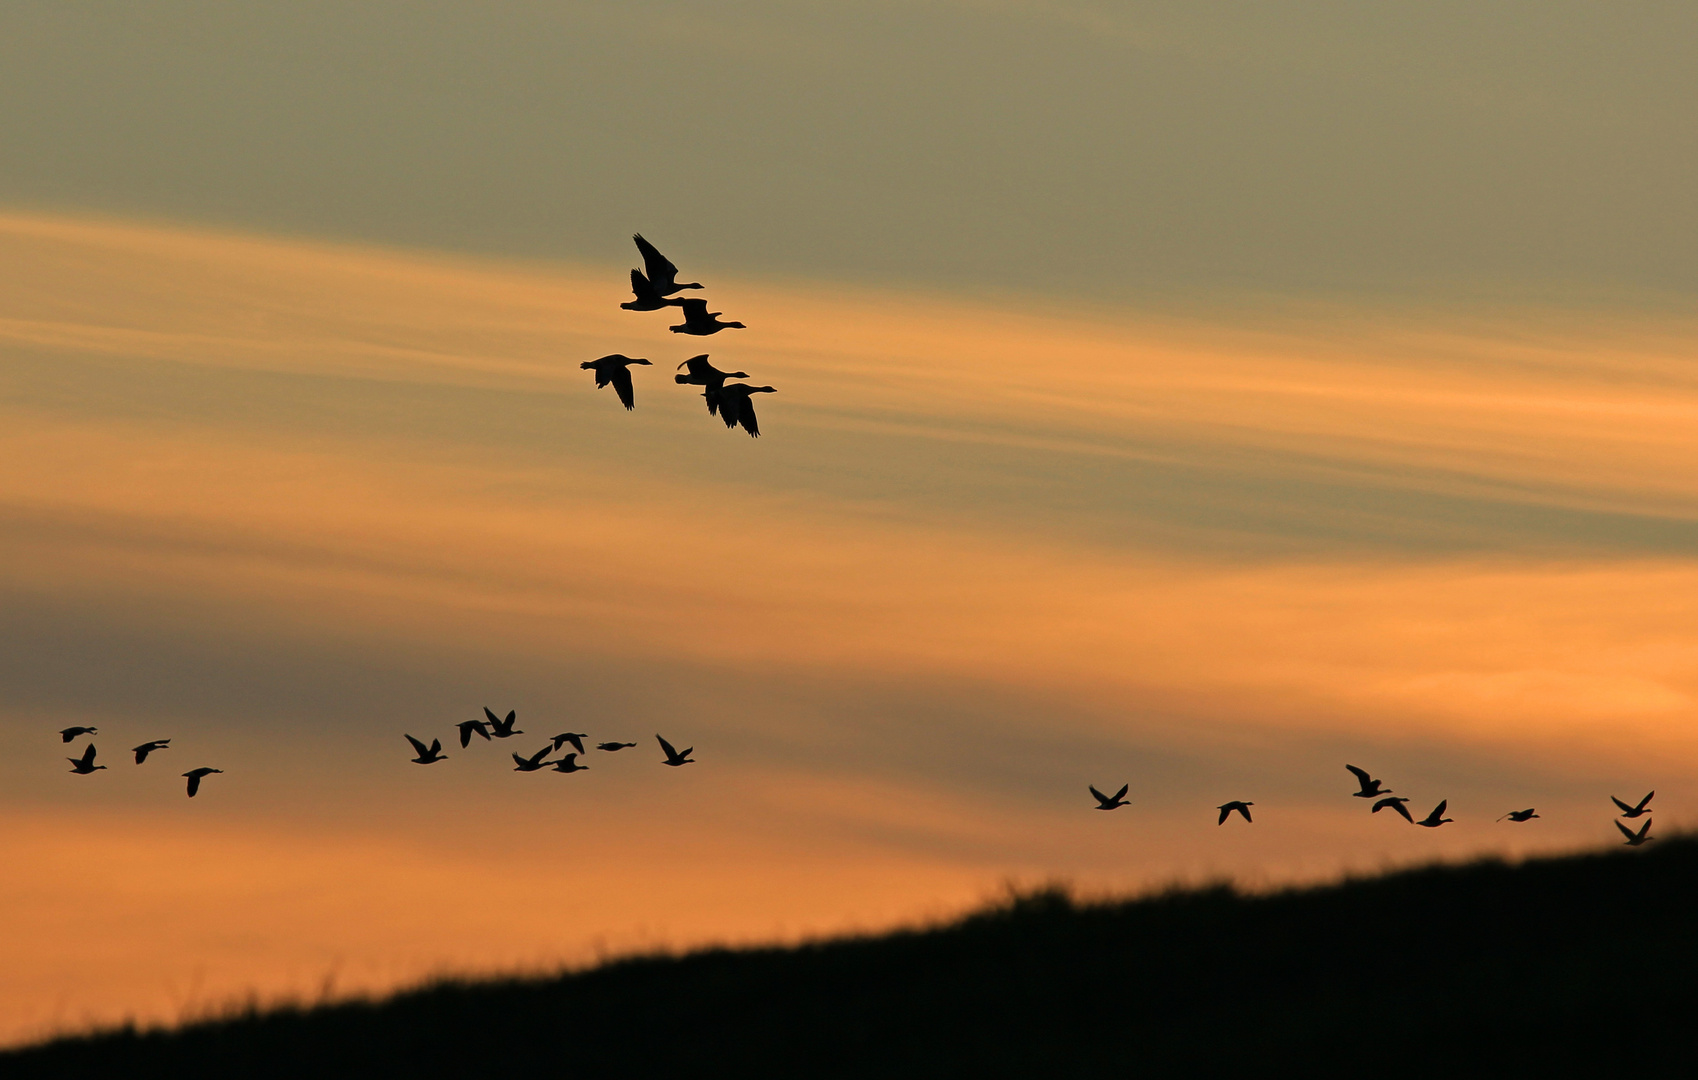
493, 727
653, 287
1370, 788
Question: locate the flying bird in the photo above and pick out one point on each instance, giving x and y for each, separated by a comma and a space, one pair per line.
194, 776
662, 275
1436, 818
1226, 810
1634, 839
611, 746
1110, 802
614, 368
647, 299
576, 738
147, 748
673, 757
1520, 815
1371, 788
699, 321
569, 763
502, 729
532, 763
735, 407
85, 764
1396, 803
428, 755
76, 733
1633, 811
468, 728
705, 374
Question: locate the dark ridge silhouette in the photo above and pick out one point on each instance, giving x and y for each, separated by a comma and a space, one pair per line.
1505, 970
735, 407
1436, 818
70, 733
662, 275
705, 374
1520, 815
612, 746
85, 764
647, 299
673, 757
428, 755
1227, 810
1634, 839
468, 728
614, 369
1395, 802
699, 321
147, 748
1634, 811
576, 738
532, 763
569, 764
1371, 788
1110, 802
195, 776
503, 729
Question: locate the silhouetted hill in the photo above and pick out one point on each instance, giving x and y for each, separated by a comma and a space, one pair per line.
1540, 969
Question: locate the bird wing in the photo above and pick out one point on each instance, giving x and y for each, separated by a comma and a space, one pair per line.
641, 288
1643, 829
491, 716
695, 309
577, 741
517, 760
621, 378
88, 755
1625, 831
194, 785
699, 367
1643, 801
746, 417
1245, 810
418, 746
1397, 804
660, 268
1361, 776
670, 752
1121, 794
536, 758
1225, 812
1104, 799
435, 747
141, 753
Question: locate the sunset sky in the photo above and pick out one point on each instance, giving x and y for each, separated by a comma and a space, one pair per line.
1173, 395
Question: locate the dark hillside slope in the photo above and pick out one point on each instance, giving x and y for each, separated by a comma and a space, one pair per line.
1544, 968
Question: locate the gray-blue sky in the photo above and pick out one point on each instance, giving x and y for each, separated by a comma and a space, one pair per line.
1142, 150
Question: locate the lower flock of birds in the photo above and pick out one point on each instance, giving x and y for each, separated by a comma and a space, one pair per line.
1370, 788
492, 727
654, 285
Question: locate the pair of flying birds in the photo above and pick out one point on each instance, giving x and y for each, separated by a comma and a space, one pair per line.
1118, 799
654, 289
494, 727
85, 765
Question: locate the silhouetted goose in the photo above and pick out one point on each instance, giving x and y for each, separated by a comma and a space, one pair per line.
1226, 810
1395, 803
468, 728
662, 275
736, 408
611, 746
147, 748
85, 764
1633, 811
1634, 839
569, 763
1108, 802
673, 757
503, 729
427, 755
613, 369
699, 321
705, 374
76, 733
576, 738
532, 763
1436, 818
646, 298
194, 776
1371, 788
1520, 815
